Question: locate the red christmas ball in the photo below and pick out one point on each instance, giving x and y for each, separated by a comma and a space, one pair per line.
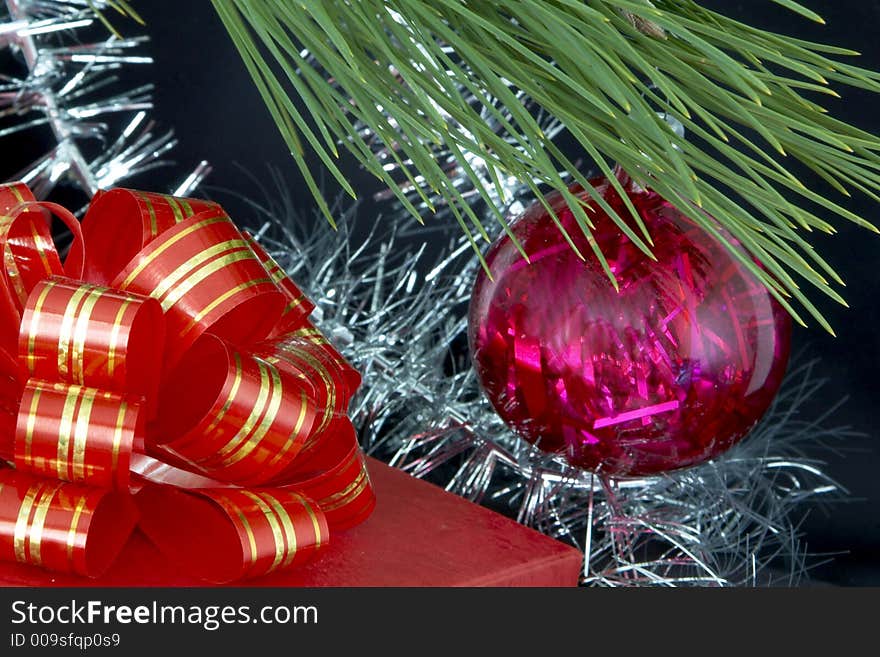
667, 372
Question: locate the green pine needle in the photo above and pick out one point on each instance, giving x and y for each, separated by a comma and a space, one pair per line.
119, 6
748, 98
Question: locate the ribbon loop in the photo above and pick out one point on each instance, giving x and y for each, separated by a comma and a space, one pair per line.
77, 434
121, 222
90, 335
29, 253
205, 276
335, 476
309, 339
62, 527
233, 416
228, 534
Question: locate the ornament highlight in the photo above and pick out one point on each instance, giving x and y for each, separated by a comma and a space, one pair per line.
667, 372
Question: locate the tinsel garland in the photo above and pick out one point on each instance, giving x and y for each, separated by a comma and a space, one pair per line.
399, 315
72, 86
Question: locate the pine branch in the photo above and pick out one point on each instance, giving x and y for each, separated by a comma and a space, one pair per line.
406, 69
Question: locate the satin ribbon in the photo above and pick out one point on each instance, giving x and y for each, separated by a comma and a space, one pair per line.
165, 375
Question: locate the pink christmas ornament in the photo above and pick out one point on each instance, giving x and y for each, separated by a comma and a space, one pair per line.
669, 372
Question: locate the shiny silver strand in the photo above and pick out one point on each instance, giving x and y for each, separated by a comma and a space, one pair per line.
399, 315
71, 87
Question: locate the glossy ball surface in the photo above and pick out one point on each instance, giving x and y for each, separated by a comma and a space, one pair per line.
669, 372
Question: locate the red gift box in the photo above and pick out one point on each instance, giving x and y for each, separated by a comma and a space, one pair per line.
419, 535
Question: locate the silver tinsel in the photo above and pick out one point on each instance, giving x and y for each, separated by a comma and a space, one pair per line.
399, 315
72, 87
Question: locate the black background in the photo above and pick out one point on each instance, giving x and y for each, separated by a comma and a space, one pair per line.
205, 94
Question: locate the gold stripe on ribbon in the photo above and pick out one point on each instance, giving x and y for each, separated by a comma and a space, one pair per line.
17, 194
66, 330
42, 246
172, 203
229, 453
154, 226
255, 414
274, 525
62, 465
14, 276
117, 435
233, 392
295, 303
219, 300
148, 259
35, 533
315, 524
330, 500
251, 422
74, 525
200, 275
276, 272
296, 429
31, 424
310, 332
80, 332
22, 523
323, 374
81, 434
114, 337
187, 208
185, 270
34, 325
289, 529
231, 506
343, 497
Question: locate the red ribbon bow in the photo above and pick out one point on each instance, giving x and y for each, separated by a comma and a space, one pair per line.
166, 376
